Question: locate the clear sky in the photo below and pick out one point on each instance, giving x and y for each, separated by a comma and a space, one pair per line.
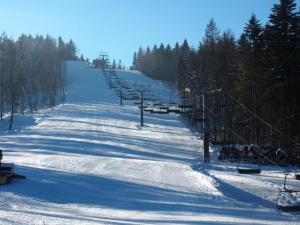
119, 27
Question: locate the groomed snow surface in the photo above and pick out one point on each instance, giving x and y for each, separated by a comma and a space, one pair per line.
89, 162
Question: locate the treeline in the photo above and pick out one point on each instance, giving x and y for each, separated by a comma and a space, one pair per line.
31, 72
258, 75
158, 63
104, 63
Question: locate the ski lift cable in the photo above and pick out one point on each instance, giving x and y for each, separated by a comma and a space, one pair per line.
190, 98
242, 139
244, 107
252, 113
262, 120
198, 96
267, 158
227, 126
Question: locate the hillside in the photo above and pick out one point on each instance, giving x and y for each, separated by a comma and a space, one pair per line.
89, 162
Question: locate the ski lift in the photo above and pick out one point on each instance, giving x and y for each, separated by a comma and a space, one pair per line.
129, 98
156, 109
185, 106
148, 110
199, 119
144, 107
135, 97
174, 110
162, 106
288, 200
248, 168
160, 111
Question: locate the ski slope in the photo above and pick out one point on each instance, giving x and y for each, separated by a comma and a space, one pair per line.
89, 162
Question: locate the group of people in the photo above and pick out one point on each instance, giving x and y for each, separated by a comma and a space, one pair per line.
252, 152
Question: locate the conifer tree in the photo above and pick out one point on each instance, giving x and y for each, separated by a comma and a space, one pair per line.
31, 75
282, 68
183, 67
134, 61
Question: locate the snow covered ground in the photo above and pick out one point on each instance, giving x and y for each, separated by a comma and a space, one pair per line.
89, 162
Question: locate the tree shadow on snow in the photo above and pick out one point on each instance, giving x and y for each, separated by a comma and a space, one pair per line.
88, 189
99, 143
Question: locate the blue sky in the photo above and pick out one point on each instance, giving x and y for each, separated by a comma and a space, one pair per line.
119, 27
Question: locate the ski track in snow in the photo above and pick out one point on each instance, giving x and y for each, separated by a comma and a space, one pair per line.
89, 162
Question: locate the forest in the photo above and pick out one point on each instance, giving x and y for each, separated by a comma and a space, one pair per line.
32, 73
250, 84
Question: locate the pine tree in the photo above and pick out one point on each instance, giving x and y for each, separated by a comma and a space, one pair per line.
183, 67
70, 51
134, 61
30, 73
208, 52
281, 62
12, 60
61, 49
140, 56
251, 79
119, 67
114, 64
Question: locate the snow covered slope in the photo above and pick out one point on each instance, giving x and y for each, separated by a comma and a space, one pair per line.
89, 162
